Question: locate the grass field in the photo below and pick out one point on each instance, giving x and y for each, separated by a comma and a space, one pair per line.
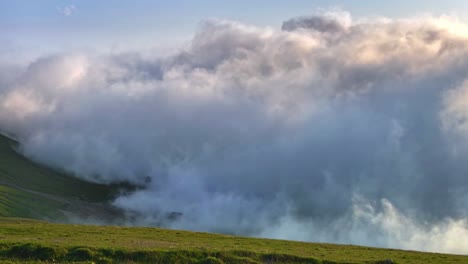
22, 240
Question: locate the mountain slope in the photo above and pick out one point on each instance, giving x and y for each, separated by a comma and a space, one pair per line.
34, 191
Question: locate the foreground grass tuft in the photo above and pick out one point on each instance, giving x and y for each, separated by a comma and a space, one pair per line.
36, 252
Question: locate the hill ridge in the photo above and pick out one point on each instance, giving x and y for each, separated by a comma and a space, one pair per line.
32, 190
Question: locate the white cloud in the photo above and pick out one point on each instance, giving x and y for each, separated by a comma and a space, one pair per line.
67, 10
249, 128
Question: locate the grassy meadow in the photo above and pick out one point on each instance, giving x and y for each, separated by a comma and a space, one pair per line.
38, 241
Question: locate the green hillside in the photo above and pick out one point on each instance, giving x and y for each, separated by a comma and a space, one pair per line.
34, 191
22, 240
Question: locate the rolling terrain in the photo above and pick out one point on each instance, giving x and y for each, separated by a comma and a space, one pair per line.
31, 191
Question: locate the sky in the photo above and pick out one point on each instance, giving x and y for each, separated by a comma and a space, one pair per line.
54, 26
325, 121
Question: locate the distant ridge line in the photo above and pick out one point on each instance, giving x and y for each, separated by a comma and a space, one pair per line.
9, 136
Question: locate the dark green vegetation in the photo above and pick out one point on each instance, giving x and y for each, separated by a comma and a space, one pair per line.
22, 239
31, 190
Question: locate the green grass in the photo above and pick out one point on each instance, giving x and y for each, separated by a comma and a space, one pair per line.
20, 203
16, 169
30, 240
30, 190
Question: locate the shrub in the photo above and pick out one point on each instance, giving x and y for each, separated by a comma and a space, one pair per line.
33, 251
210, 260
80, 254
104, 260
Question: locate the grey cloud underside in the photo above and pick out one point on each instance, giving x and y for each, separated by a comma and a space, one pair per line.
318, 23
347, 132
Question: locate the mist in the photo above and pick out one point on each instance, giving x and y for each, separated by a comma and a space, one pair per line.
327, 130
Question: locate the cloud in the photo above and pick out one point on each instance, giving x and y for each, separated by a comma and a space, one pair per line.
331, 22
329, 130
67, 10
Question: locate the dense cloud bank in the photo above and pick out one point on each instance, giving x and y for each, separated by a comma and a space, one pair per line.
327, 130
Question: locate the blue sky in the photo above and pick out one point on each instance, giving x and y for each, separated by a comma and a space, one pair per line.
54, 25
